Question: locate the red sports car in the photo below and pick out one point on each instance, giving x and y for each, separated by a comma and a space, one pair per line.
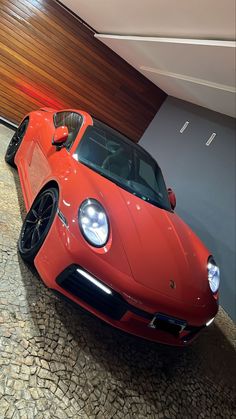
101, 228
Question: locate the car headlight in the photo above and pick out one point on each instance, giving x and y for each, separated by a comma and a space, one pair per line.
213, 275
93, 222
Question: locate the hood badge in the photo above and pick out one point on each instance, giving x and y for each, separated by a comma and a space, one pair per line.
172, 284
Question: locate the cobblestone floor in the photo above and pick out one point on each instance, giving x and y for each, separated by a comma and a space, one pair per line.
57, 361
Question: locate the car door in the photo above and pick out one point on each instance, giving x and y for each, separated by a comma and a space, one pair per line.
44, 155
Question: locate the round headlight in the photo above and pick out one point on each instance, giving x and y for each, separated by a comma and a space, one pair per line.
93, 222
213, 275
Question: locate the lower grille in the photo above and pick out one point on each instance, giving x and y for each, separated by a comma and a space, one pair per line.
112, 305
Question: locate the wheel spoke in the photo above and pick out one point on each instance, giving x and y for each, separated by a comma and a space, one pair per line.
31, 222
42, 204
32, 217
13, 142
45, 218
38, 233
37, 221
12, 146
16, 140
35, 214
27, 234
47, 209
21, 131
35, 237
21, 135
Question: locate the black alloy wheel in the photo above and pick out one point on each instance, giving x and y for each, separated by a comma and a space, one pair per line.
15, 143
37, 224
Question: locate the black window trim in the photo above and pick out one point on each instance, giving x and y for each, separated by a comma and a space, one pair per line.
65, 110
82, 123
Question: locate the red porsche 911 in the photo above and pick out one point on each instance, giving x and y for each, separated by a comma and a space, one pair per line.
101, 228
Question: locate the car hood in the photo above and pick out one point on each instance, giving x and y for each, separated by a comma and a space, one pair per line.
163, 253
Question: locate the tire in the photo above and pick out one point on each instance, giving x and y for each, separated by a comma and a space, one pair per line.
15, 143
37, 223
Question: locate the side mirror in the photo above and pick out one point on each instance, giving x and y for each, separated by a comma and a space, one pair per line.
172, 198
60, 135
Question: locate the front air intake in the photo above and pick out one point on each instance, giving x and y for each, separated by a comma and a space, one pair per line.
83, 285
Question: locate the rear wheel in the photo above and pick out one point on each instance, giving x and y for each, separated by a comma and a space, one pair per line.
37, 224
15, 143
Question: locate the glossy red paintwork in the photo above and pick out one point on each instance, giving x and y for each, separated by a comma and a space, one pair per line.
60, 135
147, 249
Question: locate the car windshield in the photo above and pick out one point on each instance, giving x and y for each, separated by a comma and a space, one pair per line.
117, 158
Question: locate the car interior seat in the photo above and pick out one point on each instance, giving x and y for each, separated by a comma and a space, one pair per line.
73, 124
118, 163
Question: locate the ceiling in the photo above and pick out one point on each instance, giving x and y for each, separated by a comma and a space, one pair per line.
186, 48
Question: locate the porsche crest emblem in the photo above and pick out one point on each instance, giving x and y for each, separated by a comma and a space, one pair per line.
172, 284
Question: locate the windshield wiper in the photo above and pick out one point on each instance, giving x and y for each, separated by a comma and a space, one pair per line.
151, 201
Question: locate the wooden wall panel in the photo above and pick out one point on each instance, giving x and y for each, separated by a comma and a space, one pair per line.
49, 58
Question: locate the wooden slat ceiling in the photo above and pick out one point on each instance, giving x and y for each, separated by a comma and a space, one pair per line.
49, 58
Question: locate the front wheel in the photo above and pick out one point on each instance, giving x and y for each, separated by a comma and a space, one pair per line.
15, 143
37, 224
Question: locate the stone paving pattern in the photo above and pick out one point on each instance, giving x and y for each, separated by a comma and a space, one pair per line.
58, 361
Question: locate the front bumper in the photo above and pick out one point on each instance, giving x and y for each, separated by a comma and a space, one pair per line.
57, 262
114, 309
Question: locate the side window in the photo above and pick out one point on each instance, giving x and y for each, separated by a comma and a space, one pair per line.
73, 121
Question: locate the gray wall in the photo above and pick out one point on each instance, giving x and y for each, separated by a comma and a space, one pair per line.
203, 178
